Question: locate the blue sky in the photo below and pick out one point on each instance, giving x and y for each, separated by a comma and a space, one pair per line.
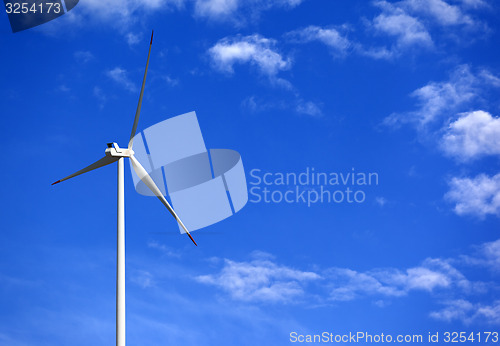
406, 89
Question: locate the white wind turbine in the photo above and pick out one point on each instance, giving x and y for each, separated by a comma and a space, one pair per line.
115, 153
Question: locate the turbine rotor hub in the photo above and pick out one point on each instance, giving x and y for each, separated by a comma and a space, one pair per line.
114, 150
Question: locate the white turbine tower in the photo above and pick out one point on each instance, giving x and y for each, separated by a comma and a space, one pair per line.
115, 153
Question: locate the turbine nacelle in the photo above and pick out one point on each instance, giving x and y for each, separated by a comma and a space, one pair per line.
115, 151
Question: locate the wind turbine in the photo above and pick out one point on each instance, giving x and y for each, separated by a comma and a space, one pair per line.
115, 153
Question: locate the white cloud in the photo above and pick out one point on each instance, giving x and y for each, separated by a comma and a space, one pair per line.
170, 81
232, 9
408, 30
142, 278
260, 281
251, 104
120, 76
440, 99
377, 52
331, 37
297, 104
491, 253
488, 255
216, 9
83, 56
439, 10
165, 250
349, 284
490, 78
472, 135
455, 309
432, 274
64, 88
479, 196
381, 201
408, 23
474, 3
447, 276
255, 50
394, 21
309, 108
124, 11
122, 14
6, 339
256, 104
132, 38
99, 94
468, 312
425, 279
411, 22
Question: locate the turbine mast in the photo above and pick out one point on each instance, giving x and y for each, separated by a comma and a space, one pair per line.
120, 258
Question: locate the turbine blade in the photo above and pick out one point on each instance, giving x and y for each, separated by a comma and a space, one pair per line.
138, 111
106, 160
146, 178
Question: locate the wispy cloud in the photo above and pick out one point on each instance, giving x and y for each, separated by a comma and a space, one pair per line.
417, 24
332, 37
120, 76
309, 108
442, 100
433, 274
471, 136
491, 253
255, 50
255, 104
236, 11
487, 255
83, 56
260, 280
440, 11
170, 81
261, 53
165, 250
99, 94
381, 201
264, 280
467, 312
216, 9
407, 30
142, 278
123, 12
64, 88
132, 39
478, 196
410, 26
474, 3
6, 339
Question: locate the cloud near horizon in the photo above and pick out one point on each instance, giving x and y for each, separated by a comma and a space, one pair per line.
262, 280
